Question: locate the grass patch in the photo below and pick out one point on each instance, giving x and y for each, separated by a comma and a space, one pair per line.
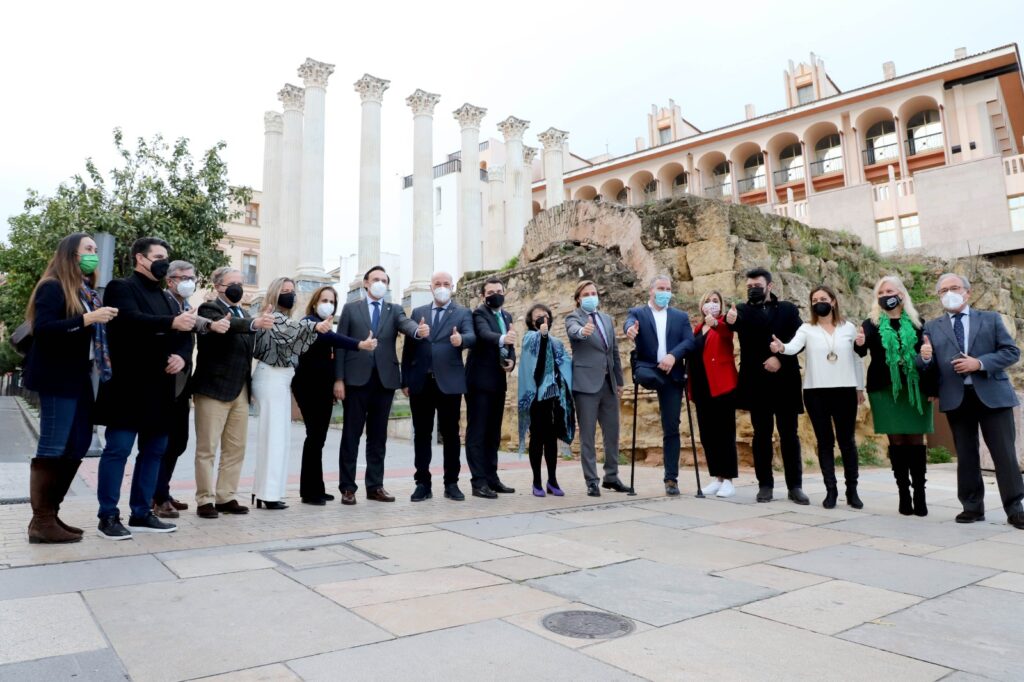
869, 454
850, 274
939, 455
512, 263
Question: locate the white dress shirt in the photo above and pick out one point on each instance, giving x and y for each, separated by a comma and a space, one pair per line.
661, 325
847, 370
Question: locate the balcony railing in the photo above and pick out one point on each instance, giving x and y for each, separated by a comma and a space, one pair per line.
718, 191
440, 170
925, 143
751, 184
787, 175
483, 175
826, 166
880, 154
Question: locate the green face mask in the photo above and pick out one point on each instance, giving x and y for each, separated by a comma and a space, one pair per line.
88, 262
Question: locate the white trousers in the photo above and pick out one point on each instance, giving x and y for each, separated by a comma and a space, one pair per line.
271, 388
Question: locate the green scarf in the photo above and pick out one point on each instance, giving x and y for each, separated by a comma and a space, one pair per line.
900, 355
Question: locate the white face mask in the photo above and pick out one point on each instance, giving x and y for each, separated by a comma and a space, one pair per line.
952, 301
442, 295
325, 311
711, 309
378, 289
186, 288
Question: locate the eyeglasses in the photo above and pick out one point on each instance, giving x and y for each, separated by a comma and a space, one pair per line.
956, 289
182, 279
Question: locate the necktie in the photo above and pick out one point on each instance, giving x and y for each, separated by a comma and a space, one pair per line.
375, 318
438, 312
236, 311
958, 331
600, 329
501, 326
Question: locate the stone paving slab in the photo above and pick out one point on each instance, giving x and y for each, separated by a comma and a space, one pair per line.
83, 575
563, 550
14, 478
923, 577
1013, 582
651, 592
496, 527
310, 557
730, 645
595, 516
898, 546
267, 673
748, 528
99, 665
519, 568
41, 627
999, 555
974, 629
676, 521
493, 648
805, 538
774, 577
913, 529
224, 622
222, 563
428, 550
711, 509
311, 577
402, 586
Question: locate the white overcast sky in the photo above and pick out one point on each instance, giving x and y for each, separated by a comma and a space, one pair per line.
72, 71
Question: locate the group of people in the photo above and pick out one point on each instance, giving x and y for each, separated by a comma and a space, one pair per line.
126, 362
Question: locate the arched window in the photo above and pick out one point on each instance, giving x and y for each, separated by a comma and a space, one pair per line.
680, 184
753, 173
881, 142
828, 155
791, 164
622, 196
924, 132
721, 181
651, 191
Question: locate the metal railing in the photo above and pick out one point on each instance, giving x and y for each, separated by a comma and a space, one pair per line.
751, 184
925, 143
440, 170
826, 166
787, 175
723, 189
885, 152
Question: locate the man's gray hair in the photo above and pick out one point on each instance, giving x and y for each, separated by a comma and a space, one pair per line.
658, 278
220, 273
177, 266
963, 280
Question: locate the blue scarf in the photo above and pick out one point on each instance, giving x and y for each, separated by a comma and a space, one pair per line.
554, 384
101, 351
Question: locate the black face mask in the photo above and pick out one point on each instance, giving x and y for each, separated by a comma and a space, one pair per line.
286, 301
158, 268
889, 302
495, 301
822, 309
539, 322
234, 293
756, 295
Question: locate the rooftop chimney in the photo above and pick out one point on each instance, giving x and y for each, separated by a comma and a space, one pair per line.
889, 70
960, 53
748, 111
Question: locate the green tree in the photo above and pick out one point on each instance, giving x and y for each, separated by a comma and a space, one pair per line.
156, 189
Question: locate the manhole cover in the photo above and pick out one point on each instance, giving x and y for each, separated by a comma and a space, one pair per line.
588, 624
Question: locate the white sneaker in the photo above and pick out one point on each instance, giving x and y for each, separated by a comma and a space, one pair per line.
727, 489
712, 487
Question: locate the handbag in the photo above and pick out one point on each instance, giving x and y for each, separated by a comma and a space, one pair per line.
22, 338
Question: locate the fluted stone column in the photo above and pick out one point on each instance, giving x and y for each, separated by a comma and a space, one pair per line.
470, 218
554, 165
422, 104
270, 225
529, 154
371, 92
292, 98
314, 76
494, 243
513, 128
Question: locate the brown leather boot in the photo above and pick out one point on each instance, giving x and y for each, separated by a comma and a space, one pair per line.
44, 480
67, 471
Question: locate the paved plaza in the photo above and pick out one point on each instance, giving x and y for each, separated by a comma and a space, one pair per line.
708, 588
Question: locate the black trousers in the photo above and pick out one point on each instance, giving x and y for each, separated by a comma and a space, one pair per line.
366, 407
423, 405
765, 419
997, 428
543, 439
484, 412
833, 413
177, 442
716, 420
317, 407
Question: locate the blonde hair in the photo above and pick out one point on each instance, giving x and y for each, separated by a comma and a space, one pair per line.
274, 292
908, 305
704, 299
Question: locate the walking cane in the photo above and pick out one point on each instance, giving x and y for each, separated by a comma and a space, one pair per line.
693, 440
636, 390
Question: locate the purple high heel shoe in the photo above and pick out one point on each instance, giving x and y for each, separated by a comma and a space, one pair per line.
555, 490
537, 492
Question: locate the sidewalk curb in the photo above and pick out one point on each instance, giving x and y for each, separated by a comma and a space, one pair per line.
32, 422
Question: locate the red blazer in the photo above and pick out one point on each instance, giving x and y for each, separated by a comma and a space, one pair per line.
718, 358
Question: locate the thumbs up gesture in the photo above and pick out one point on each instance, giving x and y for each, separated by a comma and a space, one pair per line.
369, 343
776, 346
510, 337
633, 331
926, 349
860, 336
456, 337
730, 317
423, 331
588, 329
543, 329
184, 322
324, 326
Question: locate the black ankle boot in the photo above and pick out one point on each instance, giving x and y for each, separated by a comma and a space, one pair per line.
852, 498
831, 495
918, 465
898, 459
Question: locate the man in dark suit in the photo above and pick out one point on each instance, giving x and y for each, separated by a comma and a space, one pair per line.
970, 350
366, 382
434, 379
663, 337
221, 389
769, 383
490, 360
148, 342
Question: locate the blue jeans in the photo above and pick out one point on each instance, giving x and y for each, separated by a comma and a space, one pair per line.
670, 403
147, 466
65, 425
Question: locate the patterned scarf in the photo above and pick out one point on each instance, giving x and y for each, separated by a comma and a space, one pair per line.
899, 356
101, 352
556, 383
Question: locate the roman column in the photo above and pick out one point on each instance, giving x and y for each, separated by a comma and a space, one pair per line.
422, 104
513, 128
554, 165
529, 154
494, 244
371, 93
314, 77
291, 97
470, 216
270, 228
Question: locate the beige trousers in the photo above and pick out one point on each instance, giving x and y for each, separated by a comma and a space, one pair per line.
223, 424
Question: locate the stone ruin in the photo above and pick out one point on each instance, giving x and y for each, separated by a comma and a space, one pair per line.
706, 244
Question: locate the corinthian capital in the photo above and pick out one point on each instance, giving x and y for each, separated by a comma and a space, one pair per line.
314, 74
496, 174
469, 116
553, 138
422, 102
529, 154
292, 97
513, 128
371, 88
273, 122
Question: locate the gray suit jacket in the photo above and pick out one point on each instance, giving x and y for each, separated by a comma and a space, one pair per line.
437, 355
355, 367
591, 361
989, 342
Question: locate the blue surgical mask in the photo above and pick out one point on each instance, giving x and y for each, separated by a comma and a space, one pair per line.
662, 298
589, 303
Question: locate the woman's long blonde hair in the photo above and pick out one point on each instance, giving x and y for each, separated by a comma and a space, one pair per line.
274, 291
908, 304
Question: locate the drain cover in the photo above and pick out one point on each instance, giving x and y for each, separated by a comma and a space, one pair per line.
588, 624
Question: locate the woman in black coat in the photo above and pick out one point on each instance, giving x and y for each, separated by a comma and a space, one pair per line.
67, 360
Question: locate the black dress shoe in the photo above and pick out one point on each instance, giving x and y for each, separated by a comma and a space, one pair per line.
764, 494
327, 497
452, 492
671, 488
421, 493
207, 511
615, 485
484, 491
797, 495
500, 487
593, 490
970, 517
272, 505
231, 507
317, 501
1016, 520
